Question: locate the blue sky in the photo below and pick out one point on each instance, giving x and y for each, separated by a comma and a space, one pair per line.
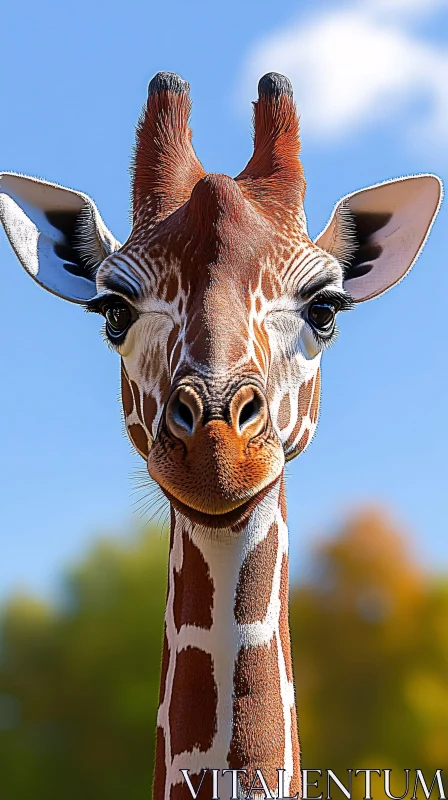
371, 82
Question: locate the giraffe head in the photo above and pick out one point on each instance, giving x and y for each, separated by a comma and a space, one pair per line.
219, 303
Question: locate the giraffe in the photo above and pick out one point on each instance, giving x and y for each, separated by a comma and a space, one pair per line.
220, 306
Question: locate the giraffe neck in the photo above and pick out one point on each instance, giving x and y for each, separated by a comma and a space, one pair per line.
227, 695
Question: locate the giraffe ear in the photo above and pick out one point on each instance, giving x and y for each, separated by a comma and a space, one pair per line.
56, 233
377, 233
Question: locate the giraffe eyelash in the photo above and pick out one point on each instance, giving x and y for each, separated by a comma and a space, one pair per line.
341, 300
325, 342
97, 305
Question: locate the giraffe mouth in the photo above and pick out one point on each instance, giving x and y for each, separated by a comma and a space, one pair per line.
236, 518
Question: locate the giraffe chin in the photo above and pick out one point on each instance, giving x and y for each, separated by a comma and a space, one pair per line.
236, 519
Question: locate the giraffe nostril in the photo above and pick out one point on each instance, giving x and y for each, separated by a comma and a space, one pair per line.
183, 412
249, 412
183, 415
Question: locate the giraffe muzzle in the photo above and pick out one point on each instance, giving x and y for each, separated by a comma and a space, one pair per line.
216, 457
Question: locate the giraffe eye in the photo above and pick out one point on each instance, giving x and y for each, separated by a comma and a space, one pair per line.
321, 315
119, 317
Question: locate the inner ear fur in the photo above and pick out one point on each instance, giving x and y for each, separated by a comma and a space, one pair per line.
377, 233
57, 234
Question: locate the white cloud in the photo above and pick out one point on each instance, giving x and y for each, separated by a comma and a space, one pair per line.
360, 62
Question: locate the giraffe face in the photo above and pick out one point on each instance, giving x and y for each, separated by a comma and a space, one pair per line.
220, 362
219, 304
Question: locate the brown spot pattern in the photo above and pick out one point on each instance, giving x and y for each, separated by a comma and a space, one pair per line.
160, 766
193, 589
254, 744
192, 714
139, 439
284, 617
254, 586
149, 411
164, 669
314, 411
284, 412
305, 397
126, 393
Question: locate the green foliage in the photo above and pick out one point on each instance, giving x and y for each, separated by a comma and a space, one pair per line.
79, 684
79, 680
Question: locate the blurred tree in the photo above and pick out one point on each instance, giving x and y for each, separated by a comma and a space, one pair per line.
370, 640
79, 681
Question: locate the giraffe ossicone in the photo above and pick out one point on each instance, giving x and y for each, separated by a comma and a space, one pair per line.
220, 306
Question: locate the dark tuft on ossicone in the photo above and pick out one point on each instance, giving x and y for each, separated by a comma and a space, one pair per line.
274, 85
167, 82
